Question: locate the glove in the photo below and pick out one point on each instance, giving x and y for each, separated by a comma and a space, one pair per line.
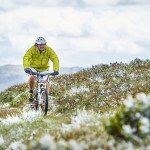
55, 73
27, 70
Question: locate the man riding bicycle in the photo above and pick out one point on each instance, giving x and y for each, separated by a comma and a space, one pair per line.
36, 59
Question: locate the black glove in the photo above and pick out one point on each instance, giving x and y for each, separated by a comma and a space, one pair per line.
55, 73
27, 70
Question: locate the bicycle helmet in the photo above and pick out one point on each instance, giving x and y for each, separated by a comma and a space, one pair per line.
40, 40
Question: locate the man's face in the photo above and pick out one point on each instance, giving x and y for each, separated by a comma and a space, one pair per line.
41, 46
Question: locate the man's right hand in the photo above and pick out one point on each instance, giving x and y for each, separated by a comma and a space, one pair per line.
27, 70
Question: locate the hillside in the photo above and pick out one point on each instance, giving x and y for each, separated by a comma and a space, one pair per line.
14, 74
88, 110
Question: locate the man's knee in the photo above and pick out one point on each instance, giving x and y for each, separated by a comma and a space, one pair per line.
31, 78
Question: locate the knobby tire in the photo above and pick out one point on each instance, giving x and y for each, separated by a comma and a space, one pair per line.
45, 99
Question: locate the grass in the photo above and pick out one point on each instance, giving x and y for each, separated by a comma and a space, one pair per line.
95, 94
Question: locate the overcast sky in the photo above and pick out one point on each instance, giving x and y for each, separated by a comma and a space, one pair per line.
81, 32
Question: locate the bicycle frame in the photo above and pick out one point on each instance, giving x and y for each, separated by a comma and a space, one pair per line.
40, 90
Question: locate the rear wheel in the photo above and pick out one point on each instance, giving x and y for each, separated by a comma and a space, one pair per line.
44, 101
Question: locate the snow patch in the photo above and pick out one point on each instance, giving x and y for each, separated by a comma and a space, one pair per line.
29, 116
145, 125
32, 134
47, 142
129, 102
17, 145
88, 118
99, 79
127, 129
144, 99
6, 105
76, 90
1, 140
11, 120
74, 145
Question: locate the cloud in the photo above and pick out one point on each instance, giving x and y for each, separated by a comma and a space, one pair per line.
14, 4
117, 31
114, 2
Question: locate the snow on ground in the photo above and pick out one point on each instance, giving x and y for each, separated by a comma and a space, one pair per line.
99, 79
32, 115
76, 90
83, 117
47, 142
145, 125
144, 99
11, 120
29, 116
52, 106
1, 140
52, 83
6, 105
129, 102
16, 146
23, 117
128, 129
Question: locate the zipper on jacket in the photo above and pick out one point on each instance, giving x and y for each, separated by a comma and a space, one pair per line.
41, 60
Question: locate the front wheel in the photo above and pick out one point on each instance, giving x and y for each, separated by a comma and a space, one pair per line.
44, 101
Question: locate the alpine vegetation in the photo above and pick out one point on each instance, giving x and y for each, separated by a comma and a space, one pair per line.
105, 107
132, 121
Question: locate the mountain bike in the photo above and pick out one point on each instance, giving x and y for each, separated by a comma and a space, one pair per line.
40, 95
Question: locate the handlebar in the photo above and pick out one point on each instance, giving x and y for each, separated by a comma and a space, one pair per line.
37, 73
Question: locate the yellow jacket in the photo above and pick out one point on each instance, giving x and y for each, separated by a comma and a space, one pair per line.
40, 62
